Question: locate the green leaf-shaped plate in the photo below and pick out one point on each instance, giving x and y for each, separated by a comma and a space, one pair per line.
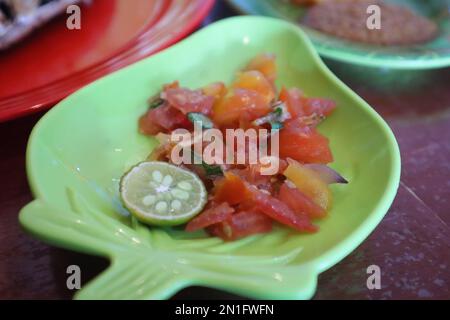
433, 54
79, 150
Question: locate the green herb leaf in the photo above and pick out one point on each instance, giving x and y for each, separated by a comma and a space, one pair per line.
212, 170
155, 103
205, 122
278, 111
278, 115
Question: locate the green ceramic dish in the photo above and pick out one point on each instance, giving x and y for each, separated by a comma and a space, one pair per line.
79, 150
433, 54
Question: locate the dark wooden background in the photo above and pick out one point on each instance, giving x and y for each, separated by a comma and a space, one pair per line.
411, 245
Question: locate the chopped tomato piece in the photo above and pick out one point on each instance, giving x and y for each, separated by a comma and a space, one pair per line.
269, 166
252, 175
279, 211
299, 202
187, 100
240, 104
221, 230
161, 152
250, 222
242, 224
148, 125
299, 106
309, 183
169, 118
231, 189
255, 80
264, 63
162, 119
267, 204
246, 205
304, 144
319, 106
293, 98
216, 90
213, 215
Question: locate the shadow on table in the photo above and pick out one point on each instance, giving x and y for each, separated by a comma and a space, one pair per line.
407, 94
61, 259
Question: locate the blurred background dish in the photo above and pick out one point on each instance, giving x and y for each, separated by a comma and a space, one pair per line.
114, 34
426, 54
19, 18
355, 20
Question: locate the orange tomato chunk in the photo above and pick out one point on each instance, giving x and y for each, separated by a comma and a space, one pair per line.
264, 63
240, 104
309, 183
231, 189
255, 80
304, 144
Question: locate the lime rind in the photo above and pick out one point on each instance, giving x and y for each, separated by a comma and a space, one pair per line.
159, 193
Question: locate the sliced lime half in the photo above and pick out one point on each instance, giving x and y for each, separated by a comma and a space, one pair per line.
162, 194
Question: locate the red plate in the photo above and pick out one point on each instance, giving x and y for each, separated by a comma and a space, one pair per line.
55, 61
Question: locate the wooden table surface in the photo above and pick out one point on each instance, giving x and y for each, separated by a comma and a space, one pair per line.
411, 245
